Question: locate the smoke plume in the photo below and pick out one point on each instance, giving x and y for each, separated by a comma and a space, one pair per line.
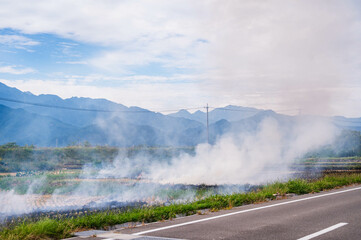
287, 56
246, 157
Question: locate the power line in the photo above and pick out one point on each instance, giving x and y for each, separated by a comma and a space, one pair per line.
89, 109
54, 106
121, 111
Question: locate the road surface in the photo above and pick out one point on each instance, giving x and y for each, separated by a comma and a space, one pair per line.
332, 214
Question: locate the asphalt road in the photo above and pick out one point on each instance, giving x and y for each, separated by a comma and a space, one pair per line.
337, 216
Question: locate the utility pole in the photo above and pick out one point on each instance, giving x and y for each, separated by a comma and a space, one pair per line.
207, 125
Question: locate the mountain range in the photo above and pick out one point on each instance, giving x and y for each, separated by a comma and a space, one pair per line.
26, 118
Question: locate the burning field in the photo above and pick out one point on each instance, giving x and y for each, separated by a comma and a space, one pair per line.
149, 177
42, 203
75, 193
66, 194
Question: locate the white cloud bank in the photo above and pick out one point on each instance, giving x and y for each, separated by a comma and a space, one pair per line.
16, 70
17, 41
270, 54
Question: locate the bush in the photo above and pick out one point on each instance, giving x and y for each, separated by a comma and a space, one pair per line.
298, 186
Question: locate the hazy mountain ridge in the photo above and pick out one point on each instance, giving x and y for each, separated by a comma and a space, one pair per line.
22, 127
43, 126
123, 126
230, 113
349, 123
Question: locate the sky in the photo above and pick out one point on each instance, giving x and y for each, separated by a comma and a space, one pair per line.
295, 57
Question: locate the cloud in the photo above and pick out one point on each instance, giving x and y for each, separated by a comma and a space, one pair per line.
133, 33
17, 41
106, 23
16, 70
171, 51
75, 62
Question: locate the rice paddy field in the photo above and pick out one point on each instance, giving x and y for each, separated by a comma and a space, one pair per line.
68, 194
69, 190
329, 164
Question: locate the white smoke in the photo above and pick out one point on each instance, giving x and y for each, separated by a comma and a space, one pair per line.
247, 158
12, 203
250, 156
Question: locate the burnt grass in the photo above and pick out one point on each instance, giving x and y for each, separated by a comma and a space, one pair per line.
62, 227
172, 192
60, 214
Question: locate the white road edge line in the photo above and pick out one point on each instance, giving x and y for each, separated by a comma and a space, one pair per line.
326, 230
244, 211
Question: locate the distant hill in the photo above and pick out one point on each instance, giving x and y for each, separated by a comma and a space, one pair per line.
135, 115
77, 118
125, 126
229, 113
347, 123
25, 128
22, 127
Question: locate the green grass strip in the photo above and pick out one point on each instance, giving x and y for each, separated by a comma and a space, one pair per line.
58, 229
